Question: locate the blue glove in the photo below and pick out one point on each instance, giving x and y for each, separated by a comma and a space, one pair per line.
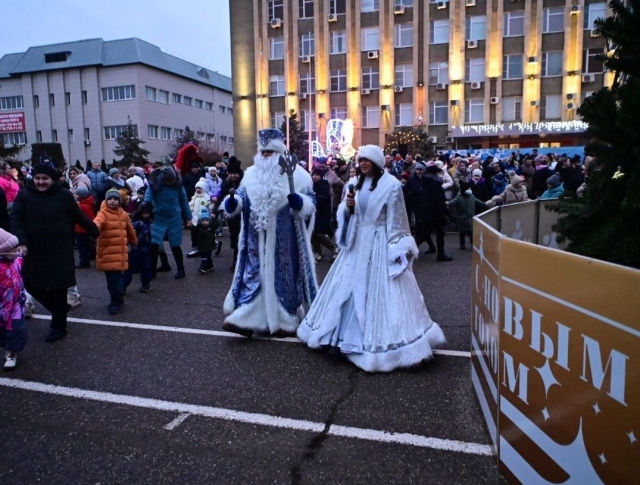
230, 205
295, 201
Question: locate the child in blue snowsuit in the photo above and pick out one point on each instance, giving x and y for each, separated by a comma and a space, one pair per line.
140, 255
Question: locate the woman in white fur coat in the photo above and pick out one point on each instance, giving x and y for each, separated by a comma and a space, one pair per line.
369, 306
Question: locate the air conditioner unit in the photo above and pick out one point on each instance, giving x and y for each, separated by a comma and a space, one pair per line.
494, 100
441, 5
303, 96
571, 105
575, 9
454, 102
476, 85
332, 17
87, 143
276, 23
535, 103
449, 139
398, 9
472, 44
398, 89
373, 55
306, 59
365, 91
588, 78
571, 96
432, 139
470, 3
441, 87
594, 33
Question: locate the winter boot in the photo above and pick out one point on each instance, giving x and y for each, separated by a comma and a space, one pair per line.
165, 267
177, 255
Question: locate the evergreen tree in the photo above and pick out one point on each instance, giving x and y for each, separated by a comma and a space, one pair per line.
409, 140
48, 151
603, 222
129, 147
298, 138
188, 137
9, 151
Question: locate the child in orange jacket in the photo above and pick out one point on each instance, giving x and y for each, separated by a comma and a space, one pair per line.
112, 255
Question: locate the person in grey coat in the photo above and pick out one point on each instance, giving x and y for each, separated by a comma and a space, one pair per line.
466, 207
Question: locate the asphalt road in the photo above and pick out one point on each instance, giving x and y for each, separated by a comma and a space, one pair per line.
158, 394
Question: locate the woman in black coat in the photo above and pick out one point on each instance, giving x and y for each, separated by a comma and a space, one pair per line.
322, 227
43, 218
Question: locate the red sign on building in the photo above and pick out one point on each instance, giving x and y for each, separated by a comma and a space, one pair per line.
11, 122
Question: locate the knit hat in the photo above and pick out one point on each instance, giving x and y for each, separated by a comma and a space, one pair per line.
45, 169
477, 171
7, 241
432, 167
113, 193
554, 180
373, 153
205, 214
82, 192
113, 171
420, 166
201, 184
516, 179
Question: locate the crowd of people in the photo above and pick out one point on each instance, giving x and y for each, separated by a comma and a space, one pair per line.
370, 214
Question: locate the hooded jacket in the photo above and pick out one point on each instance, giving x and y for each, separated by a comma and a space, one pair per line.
116, 231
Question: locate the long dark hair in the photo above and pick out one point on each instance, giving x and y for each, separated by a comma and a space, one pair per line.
378, 172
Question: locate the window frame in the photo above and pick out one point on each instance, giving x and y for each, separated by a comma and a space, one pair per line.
401, 112
441, 69
516, 108
506, 64
547, 14
338, 38
438, 25
371, 78
545, 64
374, 112
469, 25
471, 65
153, 132
507, 26
275, 9
402, 72
303, 9
368, 33
276, 43
469, 106
278, 79
551, 102
118, 93
338, 78
401, 31
307, 44
590, 12
438, 107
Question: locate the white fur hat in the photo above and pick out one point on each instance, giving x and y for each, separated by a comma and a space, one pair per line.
373, 153
201, 184
272, 140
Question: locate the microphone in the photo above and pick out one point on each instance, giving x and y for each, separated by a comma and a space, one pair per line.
232, 192
352, 194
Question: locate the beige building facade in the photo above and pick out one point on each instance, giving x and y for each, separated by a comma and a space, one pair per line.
470, 73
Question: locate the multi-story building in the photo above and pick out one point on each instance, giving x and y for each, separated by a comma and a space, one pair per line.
471, 73
82, 94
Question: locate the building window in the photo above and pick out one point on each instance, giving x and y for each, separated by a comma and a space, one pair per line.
552, 64
152, 131
199, 103
208, 106
513, 24
438, 73
551, 107
592, 62
11, 102
307, 83
276, 85
223, 139
339, 113
178, 133
338, 42
87, 134
474, 70
476, 28
230, 111
370, 78
115, 132
38, 136
404, 114
307, 45
119, 93
231, 140
406, 3
277, 119
188, 101
276, 48
512, 66
370, 5
276, 9
85, 97
52, 99
338, 7
594, 11
439, 32
338, 80
438, 113
54, 135
165, 133
36, 101
201, 135
553, 20
371, 116
163, 97
404, 75
67, 98
309, 123
17, 138
151, 93
306, 9
512, 109
222, 109
404, 35
474, 111
177, 98
211, 137
70, 136
370, 39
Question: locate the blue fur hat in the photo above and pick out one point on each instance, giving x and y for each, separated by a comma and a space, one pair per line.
272, 140
205, 214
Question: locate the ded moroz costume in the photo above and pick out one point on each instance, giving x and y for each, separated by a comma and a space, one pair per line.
274, 281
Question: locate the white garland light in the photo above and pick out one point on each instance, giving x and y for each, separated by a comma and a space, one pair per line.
539, 128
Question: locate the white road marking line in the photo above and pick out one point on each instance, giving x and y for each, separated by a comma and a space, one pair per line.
176, 422
252, 418
212, 333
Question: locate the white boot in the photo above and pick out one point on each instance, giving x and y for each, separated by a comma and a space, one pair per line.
10, 359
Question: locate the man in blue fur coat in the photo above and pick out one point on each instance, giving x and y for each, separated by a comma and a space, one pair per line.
274, 281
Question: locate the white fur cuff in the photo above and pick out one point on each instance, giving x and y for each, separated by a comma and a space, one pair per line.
405, 246
238, 209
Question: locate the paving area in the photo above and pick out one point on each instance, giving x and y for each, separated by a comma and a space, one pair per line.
159, 394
